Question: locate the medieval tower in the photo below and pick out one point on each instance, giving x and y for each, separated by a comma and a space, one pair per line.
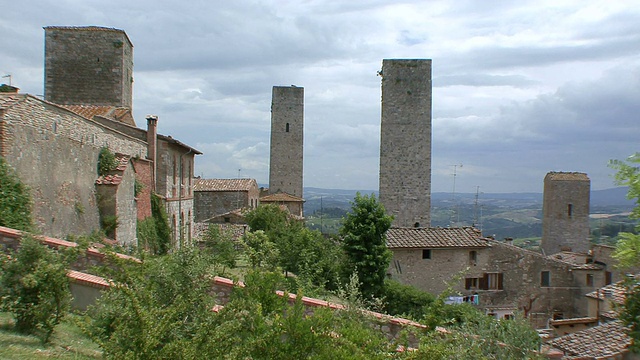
88, 65
565, 212
287, 123
405, 141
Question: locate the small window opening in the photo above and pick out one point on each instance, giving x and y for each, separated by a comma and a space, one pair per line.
545, 279
416, 225
473, 257
589, 279
570, 210
287, 127
227, 219
426, 253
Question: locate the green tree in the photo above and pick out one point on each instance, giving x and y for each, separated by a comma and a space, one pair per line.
364, 243
220, 244
260, 250
267, 218
15, 200
34, 287
627, 251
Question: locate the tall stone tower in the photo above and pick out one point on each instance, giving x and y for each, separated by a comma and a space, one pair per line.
287, 136
88, 66
565, 212
405, 141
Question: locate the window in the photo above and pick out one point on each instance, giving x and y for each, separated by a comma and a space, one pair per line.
493, 281
227, 219
570, 210
426, 253
545, 279
607, 278
470, 283
287, 127
473, 257
589, 279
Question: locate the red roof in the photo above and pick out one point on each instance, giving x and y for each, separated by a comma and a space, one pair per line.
434, 238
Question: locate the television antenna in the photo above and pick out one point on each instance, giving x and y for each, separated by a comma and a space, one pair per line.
454, 213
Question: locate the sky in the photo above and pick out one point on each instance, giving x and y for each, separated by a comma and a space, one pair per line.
520, 88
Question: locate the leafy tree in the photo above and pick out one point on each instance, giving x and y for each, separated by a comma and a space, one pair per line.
260, 251
405, 300
628, 247
267, 218
15, 200
219, 243
364, 243
34, 287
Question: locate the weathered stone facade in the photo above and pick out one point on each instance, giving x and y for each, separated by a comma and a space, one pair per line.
405, 141
214, 197
88, 65
501, 275
287, 137
55, 152
565, 209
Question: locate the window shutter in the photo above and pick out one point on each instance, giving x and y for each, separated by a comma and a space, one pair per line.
500, 279
484, 281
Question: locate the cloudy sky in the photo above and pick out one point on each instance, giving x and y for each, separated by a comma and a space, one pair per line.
520, 88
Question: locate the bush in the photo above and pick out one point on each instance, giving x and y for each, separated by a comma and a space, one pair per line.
405, 300
15, 200
106, 161
34, 287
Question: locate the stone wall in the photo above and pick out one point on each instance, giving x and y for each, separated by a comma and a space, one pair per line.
55, 152
287, 137
212, 203
144, 175
126, 209
88, 65
565, 208
405, 141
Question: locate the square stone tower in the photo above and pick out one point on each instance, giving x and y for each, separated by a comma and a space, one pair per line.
565, 212
287, 136
405, 141
88, 65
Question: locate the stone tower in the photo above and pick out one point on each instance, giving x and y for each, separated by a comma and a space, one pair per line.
287, 123
565, 212
405, 141
88, 66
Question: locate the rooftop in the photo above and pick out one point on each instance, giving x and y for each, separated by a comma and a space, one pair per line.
281, 197
606, 340
121, 114
224, 184
463, 237
614, 292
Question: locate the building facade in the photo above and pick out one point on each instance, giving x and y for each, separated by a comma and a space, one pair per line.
287, 140
215, 197
405, 141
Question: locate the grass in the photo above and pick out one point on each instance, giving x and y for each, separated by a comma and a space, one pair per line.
67, 342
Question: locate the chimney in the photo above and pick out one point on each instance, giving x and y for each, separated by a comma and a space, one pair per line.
152, 142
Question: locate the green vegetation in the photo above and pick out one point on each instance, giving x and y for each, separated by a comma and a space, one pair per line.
67, 342
628, 247
106, 161
154, 233
364, 243
34, 288
15, 200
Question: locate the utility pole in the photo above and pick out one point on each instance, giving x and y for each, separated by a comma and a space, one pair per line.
454, 213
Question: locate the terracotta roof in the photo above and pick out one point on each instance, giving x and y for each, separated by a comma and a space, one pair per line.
559, 175
121, 114
88, 279
590, 266
109, 180
123, 161
614, 292
224, 184
570, 257
281, 197
606, 340
464, 237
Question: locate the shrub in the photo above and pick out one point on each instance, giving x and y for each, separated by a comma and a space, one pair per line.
34, 287
106, 161
15, 200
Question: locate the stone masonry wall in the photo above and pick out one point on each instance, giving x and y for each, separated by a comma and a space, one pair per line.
405, 141
144, 175
126, 209
212, 203
565, 208
55, 153
287, 136
88, 65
